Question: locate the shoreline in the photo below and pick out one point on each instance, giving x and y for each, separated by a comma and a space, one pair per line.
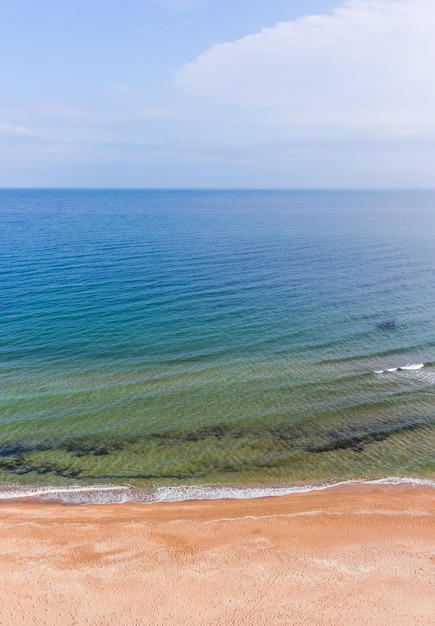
361, 554
119, 494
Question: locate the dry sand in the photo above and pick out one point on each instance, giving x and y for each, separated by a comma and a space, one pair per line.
342, 556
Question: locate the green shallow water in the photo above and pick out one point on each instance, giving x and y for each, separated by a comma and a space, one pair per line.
228, 424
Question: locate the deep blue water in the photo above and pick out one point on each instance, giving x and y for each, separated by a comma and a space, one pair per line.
198, 337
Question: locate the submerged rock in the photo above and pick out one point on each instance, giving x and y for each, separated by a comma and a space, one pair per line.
387, 325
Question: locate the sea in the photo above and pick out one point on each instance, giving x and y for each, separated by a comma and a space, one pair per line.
173, 344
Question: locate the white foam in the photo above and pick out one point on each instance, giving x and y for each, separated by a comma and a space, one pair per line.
397, 480
71, 495
408, 367
181, 494
119, 495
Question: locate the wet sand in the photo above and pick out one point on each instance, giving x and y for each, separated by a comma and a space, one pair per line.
360, 555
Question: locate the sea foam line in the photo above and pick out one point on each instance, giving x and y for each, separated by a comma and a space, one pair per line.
120, 495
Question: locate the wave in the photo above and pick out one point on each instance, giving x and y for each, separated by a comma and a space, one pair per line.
121, 495
402, 368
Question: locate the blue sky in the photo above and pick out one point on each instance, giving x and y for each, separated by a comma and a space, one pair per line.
217, 93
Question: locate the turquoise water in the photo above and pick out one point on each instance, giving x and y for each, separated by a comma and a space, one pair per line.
216, 337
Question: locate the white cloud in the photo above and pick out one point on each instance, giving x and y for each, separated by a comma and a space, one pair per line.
367, 67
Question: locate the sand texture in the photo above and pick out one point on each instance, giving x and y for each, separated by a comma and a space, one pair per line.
335, 557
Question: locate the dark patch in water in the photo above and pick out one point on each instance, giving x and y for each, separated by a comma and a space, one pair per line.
387, 325
77, 447
83, 447
357, 443
11, 465
20, 448
23, 466
267, 446
12, 449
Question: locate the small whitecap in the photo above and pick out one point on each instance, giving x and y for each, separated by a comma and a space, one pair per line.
412, 366
391, 369
378, 371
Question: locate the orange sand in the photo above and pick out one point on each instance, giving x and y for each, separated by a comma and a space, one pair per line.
339, 557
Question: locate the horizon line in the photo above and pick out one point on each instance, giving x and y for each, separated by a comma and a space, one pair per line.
215, 189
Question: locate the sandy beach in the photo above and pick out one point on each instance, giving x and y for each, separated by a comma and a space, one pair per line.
356, 555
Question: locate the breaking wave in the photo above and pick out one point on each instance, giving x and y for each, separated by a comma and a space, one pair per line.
403, 368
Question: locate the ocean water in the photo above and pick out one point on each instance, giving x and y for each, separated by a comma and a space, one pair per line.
168, 339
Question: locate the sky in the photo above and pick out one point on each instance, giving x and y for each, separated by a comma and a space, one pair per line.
217, 93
